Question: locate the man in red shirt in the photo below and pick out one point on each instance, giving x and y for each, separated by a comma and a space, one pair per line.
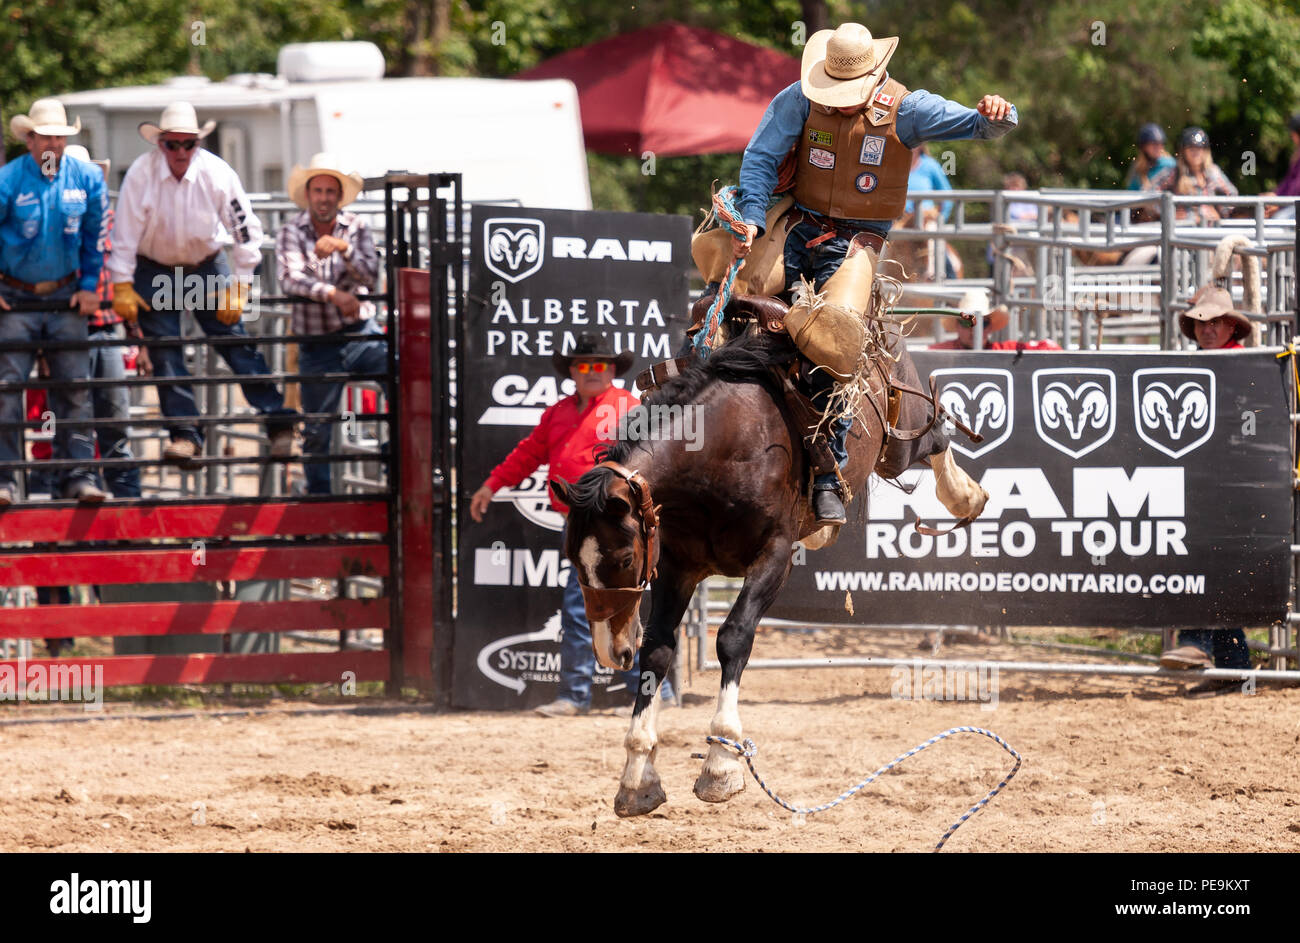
566, 439
1215, 325
994, 321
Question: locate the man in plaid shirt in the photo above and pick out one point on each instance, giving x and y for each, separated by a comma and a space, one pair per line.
327, 255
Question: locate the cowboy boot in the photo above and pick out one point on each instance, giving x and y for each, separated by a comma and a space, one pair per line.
828, 504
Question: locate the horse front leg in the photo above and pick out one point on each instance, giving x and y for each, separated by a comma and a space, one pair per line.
639, 789
723, 775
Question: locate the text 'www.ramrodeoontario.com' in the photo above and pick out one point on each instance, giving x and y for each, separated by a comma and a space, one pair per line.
897, 581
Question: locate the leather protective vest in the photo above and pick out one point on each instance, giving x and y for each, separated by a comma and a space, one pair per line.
854, 166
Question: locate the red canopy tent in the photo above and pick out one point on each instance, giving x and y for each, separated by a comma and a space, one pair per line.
671, 89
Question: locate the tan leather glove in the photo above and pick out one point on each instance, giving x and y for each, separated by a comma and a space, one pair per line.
126, 303
232, 308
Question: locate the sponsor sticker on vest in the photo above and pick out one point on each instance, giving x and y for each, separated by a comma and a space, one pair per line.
873, 151
820, 157
865, 182
820, 137
878, 115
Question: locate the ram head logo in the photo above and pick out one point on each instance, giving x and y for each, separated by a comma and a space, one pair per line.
980, 398
1074, 412
1185, 407
1085, 407
1175, 408
984, 405
513, 247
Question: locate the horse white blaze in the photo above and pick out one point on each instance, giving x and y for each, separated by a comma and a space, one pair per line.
641, 741
602, 636
589, 557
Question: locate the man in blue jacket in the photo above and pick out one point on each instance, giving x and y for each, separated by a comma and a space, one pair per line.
846, 131
52, 213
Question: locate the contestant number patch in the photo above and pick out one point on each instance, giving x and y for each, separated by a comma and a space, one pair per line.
873, 151
820, 157
820, 137
865, 182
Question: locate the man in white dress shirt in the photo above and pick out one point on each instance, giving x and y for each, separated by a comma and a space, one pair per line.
179, 207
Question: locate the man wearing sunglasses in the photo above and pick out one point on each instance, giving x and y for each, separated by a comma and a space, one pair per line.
566, 438
181, 209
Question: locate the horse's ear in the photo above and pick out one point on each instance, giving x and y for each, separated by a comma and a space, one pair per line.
560, 489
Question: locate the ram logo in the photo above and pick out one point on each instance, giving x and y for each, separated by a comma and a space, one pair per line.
1174, 409
1074, 408
513, 247
981, 398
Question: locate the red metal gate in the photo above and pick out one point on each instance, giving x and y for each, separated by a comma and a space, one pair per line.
394, 537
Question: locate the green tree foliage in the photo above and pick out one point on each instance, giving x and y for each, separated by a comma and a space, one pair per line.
1085, 74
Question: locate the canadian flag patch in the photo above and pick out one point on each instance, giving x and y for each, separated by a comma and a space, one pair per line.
886, 100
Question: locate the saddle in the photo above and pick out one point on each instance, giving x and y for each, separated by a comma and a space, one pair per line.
744, 315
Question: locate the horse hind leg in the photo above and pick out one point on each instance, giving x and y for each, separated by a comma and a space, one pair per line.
959, 493
722, 775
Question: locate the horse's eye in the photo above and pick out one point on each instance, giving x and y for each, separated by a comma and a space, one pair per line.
625, 562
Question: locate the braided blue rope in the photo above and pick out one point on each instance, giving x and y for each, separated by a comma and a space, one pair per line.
724, 210
748, 749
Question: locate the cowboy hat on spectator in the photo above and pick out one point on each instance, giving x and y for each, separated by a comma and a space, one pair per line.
178, 117
323, 164
976, 303
592, 347
1213, 302
842, 67
80, 153
46, 117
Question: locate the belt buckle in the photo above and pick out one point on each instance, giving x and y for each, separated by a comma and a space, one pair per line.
44, 288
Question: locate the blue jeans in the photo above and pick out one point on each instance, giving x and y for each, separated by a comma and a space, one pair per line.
819, 263
367, 354
577, 660
113, 402
59, 323
1226, 646
155, 284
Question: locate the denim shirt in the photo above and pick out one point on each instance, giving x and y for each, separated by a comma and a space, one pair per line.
922, 116
51, 228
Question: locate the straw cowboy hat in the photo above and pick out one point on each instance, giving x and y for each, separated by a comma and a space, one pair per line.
1214, 302
46, 117
80, 153
323, 164
591, 347
842, 67
178, 117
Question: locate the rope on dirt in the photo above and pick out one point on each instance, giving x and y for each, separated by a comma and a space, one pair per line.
749, 749
728, 217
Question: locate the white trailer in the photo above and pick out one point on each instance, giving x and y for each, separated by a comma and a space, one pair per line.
513, 141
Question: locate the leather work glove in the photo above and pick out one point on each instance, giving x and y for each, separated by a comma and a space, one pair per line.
126, 303
232, 309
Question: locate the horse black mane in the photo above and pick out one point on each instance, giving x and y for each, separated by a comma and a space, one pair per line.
744, 360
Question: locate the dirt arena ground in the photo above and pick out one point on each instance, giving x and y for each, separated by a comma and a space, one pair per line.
1111, 764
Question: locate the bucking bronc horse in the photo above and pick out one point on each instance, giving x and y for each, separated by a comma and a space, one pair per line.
663, 513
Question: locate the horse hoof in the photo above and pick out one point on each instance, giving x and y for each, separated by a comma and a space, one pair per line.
720, 788
630, 802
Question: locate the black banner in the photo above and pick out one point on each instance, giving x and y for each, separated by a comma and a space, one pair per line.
1127, 490
539, 278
